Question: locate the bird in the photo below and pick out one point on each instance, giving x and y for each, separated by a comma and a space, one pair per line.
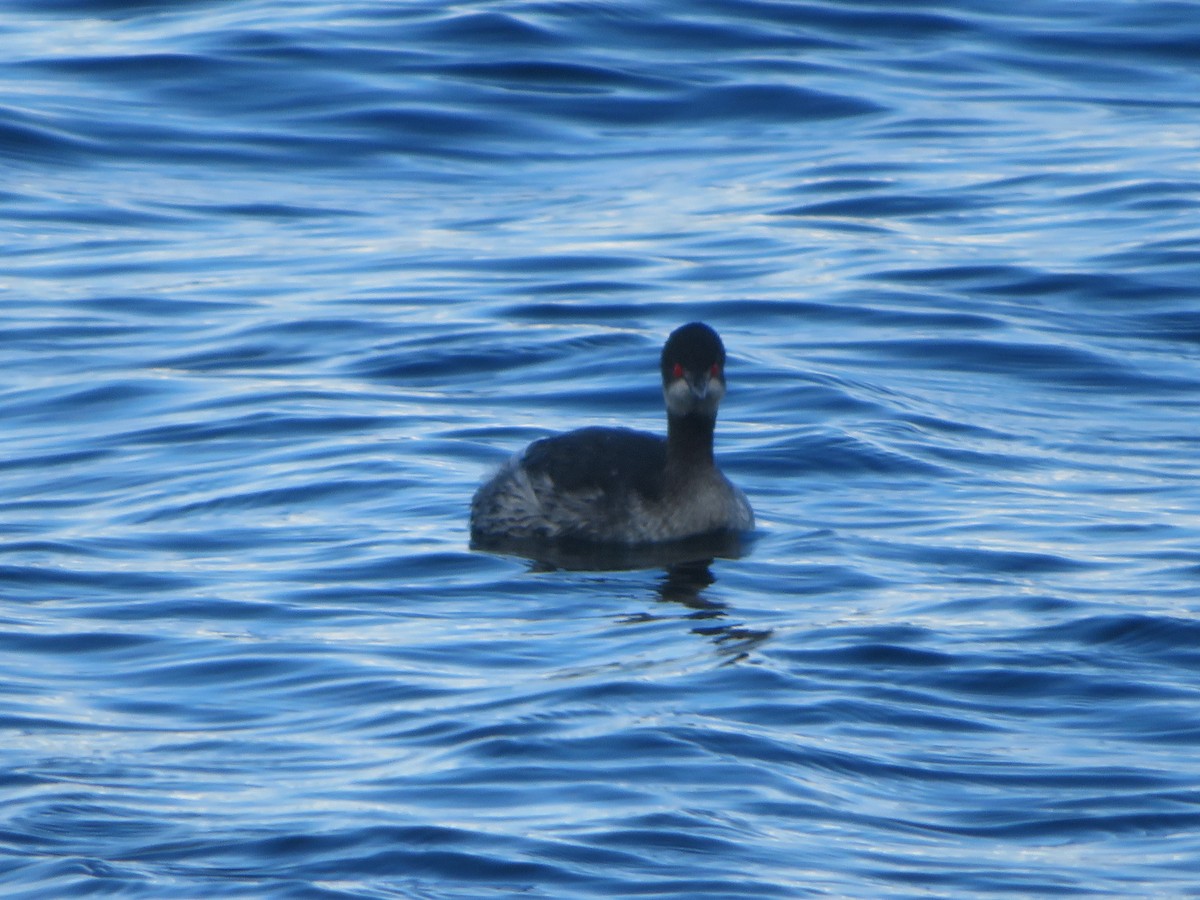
604, 485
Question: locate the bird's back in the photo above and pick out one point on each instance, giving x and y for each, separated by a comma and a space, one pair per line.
590, 484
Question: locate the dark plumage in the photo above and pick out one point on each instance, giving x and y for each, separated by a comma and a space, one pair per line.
616, 485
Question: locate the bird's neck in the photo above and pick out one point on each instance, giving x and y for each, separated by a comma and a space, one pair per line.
690, 440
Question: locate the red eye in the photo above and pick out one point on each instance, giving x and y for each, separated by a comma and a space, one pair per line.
715, 371
677, 372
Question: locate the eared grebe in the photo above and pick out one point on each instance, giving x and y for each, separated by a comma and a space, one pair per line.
619, 486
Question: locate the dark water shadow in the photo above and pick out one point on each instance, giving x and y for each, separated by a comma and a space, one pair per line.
583, 556
684, 583
686, 574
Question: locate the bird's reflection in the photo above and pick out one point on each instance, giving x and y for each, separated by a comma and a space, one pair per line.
579, 556
687, 572
684, 583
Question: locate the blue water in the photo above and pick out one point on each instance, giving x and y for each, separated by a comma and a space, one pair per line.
282, 282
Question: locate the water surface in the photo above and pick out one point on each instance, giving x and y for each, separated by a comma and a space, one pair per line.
282, 283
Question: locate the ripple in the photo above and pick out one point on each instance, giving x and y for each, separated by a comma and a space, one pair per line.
283, 280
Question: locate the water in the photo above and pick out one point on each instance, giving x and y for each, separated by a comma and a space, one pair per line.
282, 282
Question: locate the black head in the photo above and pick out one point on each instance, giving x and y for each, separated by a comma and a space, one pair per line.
693, 370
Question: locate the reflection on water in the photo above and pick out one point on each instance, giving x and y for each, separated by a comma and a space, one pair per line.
581, 556
687, 573
684, 583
